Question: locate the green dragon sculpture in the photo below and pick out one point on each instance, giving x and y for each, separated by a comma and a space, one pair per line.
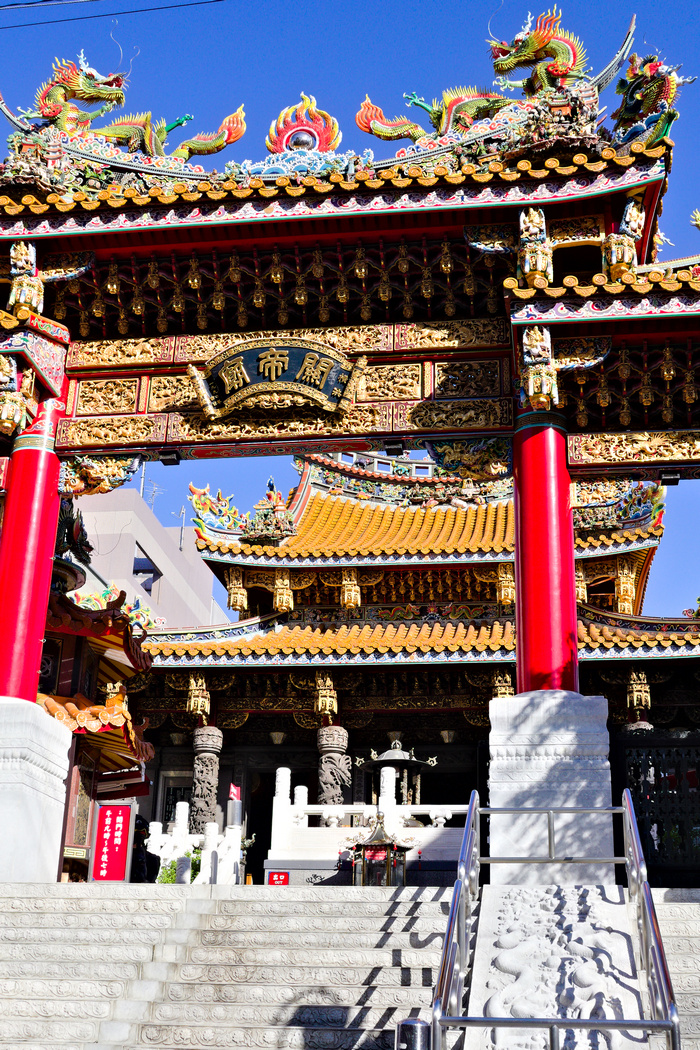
648, 91
456, 111
556, 59
56, 104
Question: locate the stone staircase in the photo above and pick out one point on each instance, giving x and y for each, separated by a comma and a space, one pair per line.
679, 920
127, 967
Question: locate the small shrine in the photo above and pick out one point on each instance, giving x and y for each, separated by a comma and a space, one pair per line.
379, 860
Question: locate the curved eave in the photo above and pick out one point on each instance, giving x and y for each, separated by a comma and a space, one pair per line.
600, 637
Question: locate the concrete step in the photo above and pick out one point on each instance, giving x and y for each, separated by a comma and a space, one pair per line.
50, 1033
62, 1009
292, 1015
81, 969
348, 956
172, 1037
418, 923
320, 994
349, 909
315, 940
403, 976
333, 894
44, 908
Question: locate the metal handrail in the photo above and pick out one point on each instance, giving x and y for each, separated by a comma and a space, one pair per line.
454, 961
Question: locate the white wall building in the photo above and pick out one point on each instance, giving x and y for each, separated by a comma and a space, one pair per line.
133, 550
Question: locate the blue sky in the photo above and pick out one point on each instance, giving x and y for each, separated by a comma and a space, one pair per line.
209, 59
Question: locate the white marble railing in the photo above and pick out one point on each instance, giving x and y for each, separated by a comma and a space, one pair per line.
292, 836
221, 854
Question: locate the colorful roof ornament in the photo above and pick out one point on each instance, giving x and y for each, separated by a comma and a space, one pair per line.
304, 127
561, 99
112, 598
303, 141
68, 104
648, 90
217, 518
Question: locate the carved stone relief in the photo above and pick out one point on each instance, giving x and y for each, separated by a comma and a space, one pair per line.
334, 767
207, 742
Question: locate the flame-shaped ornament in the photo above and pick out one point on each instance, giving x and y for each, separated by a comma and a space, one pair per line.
304, 127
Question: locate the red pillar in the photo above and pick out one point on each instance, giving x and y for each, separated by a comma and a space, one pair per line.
26, 552
545, 609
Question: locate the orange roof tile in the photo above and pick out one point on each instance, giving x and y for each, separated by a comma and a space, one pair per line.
354, 639
120, 739
338, 526
453, 636
334, 526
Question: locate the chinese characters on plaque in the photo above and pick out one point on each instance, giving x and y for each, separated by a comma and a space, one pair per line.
111, 856
246, 372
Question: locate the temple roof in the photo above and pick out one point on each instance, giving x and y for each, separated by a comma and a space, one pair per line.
334, 528
327, 194
119, 741
109, 631
337, 529
274, 643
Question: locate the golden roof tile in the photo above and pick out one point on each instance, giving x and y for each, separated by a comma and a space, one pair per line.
338, 526
453, 636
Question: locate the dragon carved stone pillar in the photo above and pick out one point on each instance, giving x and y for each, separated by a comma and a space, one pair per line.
334, 766
207, 743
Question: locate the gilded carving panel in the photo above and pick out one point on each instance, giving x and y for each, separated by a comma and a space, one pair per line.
171, 392
111, 430
467, 379
369, 339
98, 397
476, 414
479, 331
108, 353
641, 447
360, 419
389, 382
576, 231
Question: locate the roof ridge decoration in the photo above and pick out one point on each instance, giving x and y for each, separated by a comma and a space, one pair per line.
56, 146
114, 600
217, 517
561, 99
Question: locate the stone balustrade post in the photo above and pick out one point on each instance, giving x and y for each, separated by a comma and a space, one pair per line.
281, 808
301, 799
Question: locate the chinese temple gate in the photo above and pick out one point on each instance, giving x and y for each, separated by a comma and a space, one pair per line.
488, 292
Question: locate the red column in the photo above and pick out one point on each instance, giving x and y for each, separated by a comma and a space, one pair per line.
26, 552
545, 609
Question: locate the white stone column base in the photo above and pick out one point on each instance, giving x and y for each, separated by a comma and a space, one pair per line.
33, 766
549, 748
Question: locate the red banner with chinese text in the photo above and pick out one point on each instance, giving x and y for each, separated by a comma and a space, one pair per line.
111, 860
